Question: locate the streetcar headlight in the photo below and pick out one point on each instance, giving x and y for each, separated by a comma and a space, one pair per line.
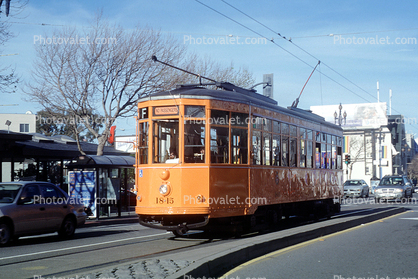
165, 189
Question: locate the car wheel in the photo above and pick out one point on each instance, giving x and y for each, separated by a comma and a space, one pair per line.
5, 234
67, 229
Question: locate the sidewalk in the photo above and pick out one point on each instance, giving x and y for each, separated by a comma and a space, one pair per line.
125, 218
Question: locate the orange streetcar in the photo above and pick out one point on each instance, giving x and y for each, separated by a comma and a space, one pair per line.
210, 158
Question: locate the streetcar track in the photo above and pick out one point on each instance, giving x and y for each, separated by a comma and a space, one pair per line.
82, 248
91, 268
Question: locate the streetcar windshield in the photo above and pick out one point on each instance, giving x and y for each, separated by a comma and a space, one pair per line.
166, 141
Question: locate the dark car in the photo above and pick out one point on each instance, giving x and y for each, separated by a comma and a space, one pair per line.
31, 207
393, 187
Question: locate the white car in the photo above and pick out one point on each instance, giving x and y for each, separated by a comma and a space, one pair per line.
32, 207
356, 188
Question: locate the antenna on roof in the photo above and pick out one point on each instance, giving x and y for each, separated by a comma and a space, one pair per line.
296, 102
154, 58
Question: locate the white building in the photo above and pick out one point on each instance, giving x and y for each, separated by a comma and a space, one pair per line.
18, 122
367, 139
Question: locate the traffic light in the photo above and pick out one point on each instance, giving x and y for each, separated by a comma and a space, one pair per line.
347, 159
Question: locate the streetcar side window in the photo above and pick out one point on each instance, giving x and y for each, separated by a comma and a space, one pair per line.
309, 154
302, 146
194, 141
239, 119
219, 145
276, 150
285, 151
293, 152
194, 111
302, 159
239, 146
309, 148
143, 142
267, 149
339, 153
318, 155
256, 148
166, 141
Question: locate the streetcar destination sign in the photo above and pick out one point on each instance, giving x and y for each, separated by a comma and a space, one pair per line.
161, 111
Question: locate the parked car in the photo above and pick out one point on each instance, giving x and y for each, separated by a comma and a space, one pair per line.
393, 187
356, 188
31, 207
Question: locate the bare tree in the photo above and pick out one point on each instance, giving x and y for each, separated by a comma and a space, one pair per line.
102, 70
357, 151
8, 78
413, 169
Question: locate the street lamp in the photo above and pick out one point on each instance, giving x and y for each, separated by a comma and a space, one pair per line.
339, 117
8, 122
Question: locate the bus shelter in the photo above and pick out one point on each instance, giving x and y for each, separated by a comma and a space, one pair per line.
102, 183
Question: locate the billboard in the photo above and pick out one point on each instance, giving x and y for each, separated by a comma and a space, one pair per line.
369, 115
125, 143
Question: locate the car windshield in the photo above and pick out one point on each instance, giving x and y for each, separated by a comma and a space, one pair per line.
391, 181
8, 192
352, 183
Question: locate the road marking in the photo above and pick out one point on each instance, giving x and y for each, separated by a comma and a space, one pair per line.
82, 246
410, 218
297, 246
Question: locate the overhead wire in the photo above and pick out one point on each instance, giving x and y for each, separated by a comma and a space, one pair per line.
287, 51
300, 48
300, 59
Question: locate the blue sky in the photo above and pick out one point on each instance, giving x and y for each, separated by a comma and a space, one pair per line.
350, 51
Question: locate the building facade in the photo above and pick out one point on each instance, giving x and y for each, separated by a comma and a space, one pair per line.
375, 143
18, 122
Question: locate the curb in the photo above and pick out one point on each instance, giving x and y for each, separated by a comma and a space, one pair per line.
111, 221
217, 264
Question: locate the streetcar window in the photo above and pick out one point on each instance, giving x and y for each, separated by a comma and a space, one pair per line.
323, 156
239, 146
285, 128
318, 155
219, 117
166, 141
257, 122
143, 142
194, 142
339, 141
285, 151
266, 149
318, 136
339, 157
334, 156
302, 162
293, 152
276, 150
276, 127
302, 132
219, 142
239, 119
309, 154
256, 148
328, 161
194, 111
293, 131
309, 134
267, 125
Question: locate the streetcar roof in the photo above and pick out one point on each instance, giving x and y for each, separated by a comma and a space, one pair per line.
239, 95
